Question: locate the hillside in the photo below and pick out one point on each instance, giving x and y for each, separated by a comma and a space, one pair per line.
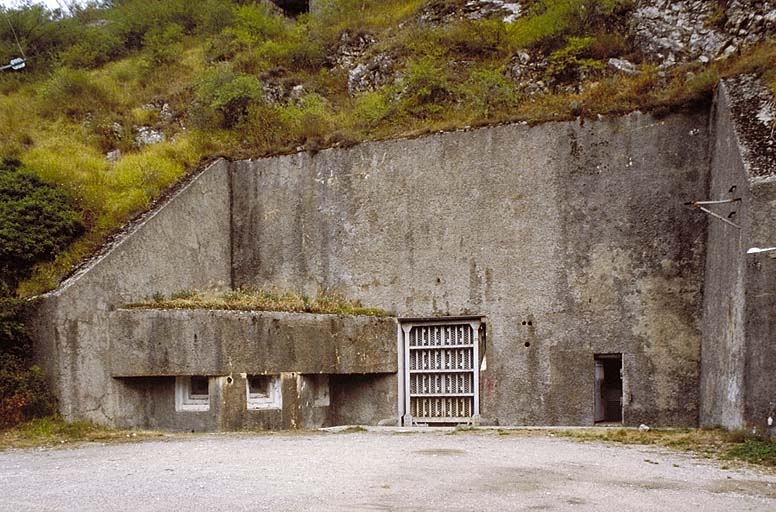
117, 102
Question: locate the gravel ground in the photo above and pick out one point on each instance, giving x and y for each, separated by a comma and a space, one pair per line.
383, 470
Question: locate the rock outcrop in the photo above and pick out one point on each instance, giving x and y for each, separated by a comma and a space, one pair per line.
669, 32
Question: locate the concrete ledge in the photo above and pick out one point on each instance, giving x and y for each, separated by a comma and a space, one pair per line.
155, 342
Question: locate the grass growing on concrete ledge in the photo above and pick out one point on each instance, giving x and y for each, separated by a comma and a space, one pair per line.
721, 444
54, 432
259, 300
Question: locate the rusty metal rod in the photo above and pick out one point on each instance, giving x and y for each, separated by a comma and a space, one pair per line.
720, 217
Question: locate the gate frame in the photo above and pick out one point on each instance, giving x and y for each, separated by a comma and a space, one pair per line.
405, 325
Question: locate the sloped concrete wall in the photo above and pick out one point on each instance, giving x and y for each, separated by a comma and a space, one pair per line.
572, 239
739, 334
724, 351
184, 244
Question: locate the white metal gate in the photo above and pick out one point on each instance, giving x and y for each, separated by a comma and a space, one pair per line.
441, 371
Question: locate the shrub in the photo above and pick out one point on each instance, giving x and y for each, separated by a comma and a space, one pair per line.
310, 119
265, 128
75, 93
571, 62
226, 95
96, 47
550, 21
371, 109
23, 391
488, 91
426, 88
36, 222
255, 23
163, 45
24, 394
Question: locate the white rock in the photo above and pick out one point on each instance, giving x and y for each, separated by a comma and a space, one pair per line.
147, 136
623, 66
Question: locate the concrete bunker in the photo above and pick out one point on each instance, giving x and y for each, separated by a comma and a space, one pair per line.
571, 242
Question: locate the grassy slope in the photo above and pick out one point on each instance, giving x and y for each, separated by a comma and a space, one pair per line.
61, 124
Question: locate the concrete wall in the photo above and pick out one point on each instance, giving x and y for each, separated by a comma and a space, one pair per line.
739, 335
184, 244
573, 240
149, 342
228, 406
760, 327
724, 353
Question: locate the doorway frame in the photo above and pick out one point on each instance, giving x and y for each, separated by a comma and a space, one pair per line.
609, 356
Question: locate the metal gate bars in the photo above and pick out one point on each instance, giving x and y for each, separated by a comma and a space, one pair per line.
439, 360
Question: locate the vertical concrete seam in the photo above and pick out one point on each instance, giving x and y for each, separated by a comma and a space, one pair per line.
230, 199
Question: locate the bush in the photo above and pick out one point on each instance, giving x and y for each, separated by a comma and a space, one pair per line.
23, 391
426, 88
75, 93
550, 21
163, 45
488, 91
36, 222
96, 47
255, 23
226, 95
24, 394
309, 120
571, 62
371, 109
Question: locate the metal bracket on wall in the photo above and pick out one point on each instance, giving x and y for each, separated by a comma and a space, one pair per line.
700, 205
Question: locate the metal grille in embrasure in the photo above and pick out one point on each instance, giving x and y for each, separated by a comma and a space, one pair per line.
441, 372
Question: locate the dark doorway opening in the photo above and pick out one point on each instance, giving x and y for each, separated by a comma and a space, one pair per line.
293, 7
608, 388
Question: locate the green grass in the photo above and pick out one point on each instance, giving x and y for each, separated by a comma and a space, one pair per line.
754, 451
259, 300
53, 432
716, 443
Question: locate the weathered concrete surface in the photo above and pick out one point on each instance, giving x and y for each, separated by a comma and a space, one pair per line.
739, 339
572, 240
760, 408
156, 342
580, 230
184, 244
723, 362
228, 406
375, 471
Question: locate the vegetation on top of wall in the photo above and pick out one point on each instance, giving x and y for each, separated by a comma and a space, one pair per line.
248, 299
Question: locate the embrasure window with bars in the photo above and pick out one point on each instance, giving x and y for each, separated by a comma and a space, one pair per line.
440, 361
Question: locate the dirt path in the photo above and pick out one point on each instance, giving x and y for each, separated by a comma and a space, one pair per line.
374, 471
